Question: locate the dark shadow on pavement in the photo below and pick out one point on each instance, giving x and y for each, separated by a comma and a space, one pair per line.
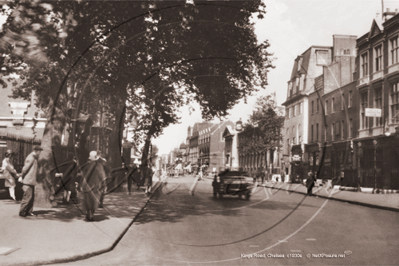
117, 204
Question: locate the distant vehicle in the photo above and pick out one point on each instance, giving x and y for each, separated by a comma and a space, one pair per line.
233, 183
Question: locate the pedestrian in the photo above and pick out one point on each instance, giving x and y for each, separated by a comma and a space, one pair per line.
28, 179
130, 177
103, 161
310, 183
68, 178
148, 178
9, 173
92, 184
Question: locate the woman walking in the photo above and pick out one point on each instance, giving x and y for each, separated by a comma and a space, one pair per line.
93, 184
9, 173
148, 173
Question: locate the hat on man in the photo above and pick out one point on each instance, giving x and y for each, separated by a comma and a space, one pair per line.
310, 174
8, 153
37, 148
93, 156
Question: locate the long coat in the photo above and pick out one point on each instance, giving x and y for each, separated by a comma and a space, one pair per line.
94, 176
148, 176
93, 184
310, 182
9, 172
30, 169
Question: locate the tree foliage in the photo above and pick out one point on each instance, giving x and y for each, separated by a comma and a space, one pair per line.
264, 128
90, 57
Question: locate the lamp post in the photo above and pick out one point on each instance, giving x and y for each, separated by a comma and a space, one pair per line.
375, 143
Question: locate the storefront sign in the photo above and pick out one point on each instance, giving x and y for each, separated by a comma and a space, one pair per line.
373, 112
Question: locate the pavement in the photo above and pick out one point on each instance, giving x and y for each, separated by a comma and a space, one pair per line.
381, 201
61, 234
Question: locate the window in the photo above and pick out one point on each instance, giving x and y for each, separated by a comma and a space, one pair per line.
325, 133
342, 129
363, 106
312, 107
350, 128
332, 131
394, 50
395, 103
378, 104
343, 102
364, 63
326, 108
311, 134
299, 64
317, 132
293, 135
350, 99
378, 58
299, 134
300, 108
293, 111
332, 105
297, 84
317, 105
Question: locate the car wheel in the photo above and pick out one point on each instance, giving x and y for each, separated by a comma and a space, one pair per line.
247, 196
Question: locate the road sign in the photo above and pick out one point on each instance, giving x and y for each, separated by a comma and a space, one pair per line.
373, 112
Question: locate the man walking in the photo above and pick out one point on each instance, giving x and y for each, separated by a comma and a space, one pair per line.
310, 183
29, 175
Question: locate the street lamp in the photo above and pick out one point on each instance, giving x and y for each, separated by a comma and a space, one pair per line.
375, 143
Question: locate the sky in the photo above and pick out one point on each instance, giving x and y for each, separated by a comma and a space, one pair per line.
291, 27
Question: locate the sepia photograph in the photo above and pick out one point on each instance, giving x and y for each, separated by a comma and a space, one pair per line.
199, 132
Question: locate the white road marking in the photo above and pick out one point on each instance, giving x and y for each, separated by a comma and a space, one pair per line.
296, 251
6, 250
253, 246
310, 239
258, 252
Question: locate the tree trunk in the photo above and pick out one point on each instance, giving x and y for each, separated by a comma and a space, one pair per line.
144, 156
49, 158
115, 146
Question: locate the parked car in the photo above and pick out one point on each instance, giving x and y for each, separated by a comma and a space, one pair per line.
233, 183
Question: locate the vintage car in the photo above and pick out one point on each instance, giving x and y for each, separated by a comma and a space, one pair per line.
233, 183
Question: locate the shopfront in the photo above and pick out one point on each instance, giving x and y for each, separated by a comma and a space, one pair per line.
297, 164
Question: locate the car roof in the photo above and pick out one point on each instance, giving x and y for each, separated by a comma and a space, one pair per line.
233, 173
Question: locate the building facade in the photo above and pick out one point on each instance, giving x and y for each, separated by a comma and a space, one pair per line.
307, 67
21, 126
377, 146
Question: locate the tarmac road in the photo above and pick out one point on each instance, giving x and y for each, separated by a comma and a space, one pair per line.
274, 227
